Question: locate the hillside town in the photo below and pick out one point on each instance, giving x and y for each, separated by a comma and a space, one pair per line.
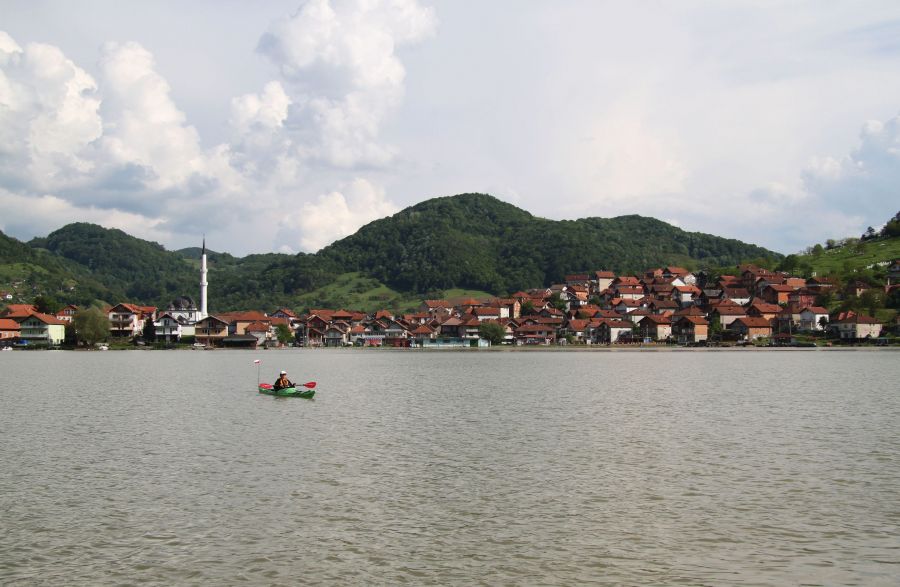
667, 305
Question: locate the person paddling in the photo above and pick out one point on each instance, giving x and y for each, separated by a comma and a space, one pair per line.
283, 382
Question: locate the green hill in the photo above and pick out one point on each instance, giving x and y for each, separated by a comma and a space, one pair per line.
467, 243
865, 258
143, 271
859, 258
27, 272
477, 241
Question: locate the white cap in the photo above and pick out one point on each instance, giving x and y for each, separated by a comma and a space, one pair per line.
284, 372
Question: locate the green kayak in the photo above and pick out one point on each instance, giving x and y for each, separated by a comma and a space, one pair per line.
286, 392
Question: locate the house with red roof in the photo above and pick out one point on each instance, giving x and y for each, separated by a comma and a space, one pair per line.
210, 331
577, 329
239, 321
577, 279
609, 331
738, 295
776, 293
813, 318
656, 327
337, 334
67, 314
168, 328
629, 292
624, 306
658, 306
284, 313
858, 327
802, 297
528, 334
727, 312
686, 294
42, 329
436, 307
261, 331
423, 334
750, 328
17, 311
637, 315
602, 280
487, 313
685, 275
127, 320
761, 309
9, 329
690, 329
857, 288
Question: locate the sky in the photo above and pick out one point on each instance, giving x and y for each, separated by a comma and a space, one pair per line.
283, 126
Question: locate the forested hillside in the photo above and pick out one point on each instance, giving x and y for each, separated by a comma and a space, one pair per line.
470, 242
142, 270
477, 241
29, 272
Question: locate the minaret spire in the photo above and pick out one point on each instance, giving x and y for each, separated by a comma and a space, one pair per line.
203, 282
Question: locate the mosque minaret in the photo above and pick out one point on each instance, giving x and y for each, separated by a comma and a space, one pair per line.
203, 283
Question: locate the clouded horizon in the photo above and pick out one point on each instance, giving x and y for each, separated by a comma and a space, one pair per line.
287, 125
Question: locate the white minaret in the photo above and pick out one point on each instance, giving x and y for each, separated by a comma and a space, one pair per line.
203, 282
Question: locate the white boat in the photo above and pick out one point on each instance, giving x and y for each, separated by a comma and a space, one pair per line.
103, 347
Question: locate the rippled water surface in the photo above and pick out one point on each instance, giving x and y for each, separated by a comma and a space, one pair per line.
451, 468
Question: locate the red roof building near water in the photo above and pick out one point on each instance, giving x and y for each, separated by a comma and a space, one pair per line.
9, 328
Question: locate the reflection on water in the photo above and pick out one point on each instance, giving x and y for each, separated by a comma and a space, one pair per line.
738, 468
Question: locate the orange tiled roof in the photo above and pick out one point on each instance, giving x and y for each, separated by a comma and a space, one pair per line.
9, 324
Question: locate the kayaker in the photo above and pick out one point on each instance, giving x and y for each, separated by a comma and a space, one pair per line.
283, 382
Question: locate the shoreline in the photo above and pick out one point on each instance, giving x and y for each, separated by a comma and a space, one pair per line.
513, 349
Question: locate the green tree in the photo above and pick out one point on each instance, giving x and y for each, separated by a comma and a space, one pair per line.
46, 304
893, 300
817, 249
715, 326
492, 331
149, 331
527, 308
871, 300
892, 228
825, 299
559, 303
284, 334
91, 325
71, 337
789, 263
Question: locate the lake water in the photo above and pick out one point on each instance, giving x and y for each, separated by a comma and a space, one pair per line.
451, 468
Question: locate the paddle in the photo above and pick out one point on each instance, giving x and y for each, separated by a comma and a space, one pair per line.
310, 385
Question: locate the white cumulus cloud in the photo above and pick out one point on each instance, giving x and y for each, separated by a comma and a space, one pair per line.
339, 59
335, 215
866, 182
48, 116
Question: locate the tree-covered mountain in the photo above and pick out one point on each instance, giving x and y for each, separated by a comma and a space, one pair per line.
27, 272
469, 241
477, 241
142, 270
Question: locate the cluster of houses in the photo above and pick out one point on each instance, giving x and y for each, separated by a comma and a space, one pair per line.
669, 304
664, 305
